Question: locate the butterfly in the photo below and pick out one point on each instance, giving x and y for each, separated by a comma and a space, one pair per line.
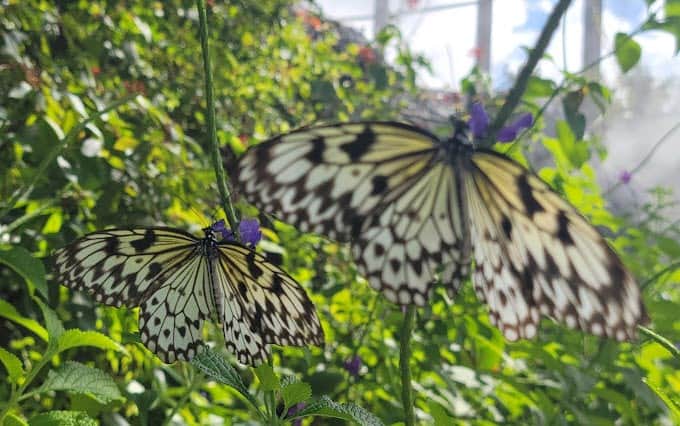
418, 209
179, 280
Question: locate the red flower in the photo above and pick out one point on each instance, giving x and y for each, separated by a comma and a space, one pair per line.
367, 55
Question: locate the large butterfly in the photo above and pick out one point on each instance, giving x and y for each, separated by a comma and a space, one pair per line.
179, 280
417, 208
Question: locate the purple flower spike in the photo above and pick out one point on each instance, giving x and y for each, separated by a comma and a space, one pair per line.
625, 177
509, 133
250, 232
353, 365
479, 121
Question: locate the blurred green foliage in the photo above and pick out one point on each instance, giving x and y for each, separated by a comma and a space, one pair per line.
69, 168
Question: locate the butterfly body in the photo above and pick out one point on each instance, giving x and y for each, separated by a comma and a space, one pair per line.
418, 209
179, 280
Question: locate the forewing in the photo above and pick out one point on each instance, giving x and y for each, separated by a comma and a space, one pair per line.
171, 317
536, 255
119, 266
261, 305
383, 185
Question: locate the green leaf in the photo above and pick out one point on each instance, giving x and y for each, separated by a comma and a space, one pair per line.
326, 407
54, 326
628, 51
440, 415
79, 378
12, 363
30, 268
62, 418
9, 312
577, 121
14, 420
268, 379
576, 152
673, 404
539, 87
294, 393
75, 338
215, 365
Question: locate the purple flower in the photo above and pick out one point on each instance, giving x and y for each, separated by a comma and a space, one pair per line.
249, 229
625, 177
479, 124
353, 365
294, 410
479, 121
510, 132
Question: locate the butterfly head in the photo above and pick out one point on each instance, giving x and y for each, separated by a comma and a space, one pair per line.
461, 132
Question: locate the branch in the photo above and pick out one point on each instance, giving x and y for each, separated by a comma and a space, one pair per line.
405, 368
515, 94
225, 194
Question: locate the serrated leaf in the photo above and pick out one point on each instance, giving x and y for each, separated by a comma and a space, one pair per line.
294, 393
79, 378
30, 268
9, 312
75, 338
268, 380
628, 51
62, 418
216, 366
54, 326
326, 407
13, 365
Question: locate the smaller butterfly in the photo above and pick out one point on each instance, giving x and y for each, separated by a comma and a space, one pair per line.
179, 280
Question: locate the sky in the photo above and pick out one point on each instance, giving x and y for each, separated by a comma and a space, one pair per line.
447, 38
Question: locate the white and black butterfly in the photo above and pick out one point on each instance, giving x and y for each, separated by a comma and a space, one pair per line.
417, 208
179, 280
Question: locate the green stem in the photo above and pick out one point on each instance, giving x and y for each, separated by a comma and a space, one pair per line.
193, 384
667, 269
661, 340
515, 94
405, 367
16, 396
225, 194
56, 149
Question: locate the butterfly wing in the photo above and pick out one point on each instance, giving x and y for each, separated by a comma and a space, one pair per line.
259, 304
382, 185
171, 316
160, 269
536, 255
119, 266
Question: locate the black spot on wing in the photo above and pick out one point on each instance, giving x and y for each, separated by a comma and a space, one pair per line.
277, 288
530, 203
111, 246
145, 242
318, 147
563, 228
379, 184
507, 227
359, 146
154, 269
